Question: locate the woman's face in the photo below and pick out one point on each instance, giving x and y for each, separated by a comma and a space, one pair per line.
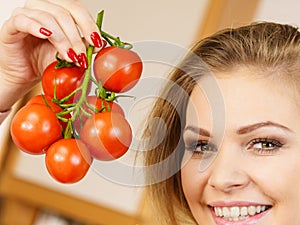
255, 176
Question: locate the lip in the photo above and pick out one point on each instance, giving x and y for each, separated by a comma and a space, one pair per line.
234, 203
249, 221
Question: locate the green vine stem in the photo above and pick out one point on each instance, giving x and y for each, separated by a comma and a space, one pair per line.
77, 108
113, 41
82, 100
116, 41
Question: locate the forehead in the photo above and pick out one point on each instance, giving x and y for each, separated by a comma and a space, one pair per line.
245, 99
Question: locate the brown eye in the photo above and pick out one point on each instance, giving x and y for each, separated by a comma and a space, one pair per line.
201, 147
264, 145
206, 147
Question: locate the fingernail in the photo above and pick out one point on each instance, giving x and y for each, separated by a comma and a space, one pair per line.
82, 60
96, 39
104, 43
45, 31
72, 55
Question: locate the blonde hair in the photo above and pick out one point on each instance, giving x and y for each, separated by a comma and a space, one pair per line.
265, 46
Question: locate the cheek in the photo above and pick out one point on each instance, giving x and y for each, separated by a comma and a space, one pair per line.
278, 178
193, 182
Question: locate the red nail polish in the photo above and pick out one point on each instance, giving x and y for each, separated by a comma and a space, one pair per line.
72, 55
96, 39
45, 31
82, 59
104, 43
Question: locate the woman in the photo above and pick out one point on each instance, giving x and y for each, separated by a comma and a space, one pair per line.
244, 168
32, 36
231, 129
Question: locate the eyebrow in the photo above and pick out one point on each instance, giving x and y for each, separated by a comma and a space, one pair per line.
197, 130
249, 128
243, 130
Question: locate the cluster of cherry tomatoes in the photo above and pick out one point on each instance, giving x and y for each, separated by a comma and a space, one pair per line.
71, 126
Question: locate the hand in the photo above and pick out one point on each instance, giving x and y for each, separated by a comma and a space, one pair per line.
31, 37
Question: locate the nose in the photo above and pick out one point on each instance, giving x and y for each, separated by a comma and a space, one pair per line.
228, 172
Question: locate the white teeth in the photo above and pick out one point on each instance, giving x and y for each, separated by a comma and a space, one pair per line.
236, 213
226, 212
251, 210
244, 211
258, 209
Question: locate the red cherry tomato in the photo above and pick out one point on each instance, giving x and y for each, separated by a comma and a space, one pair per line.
34, 128
118, 69
44, 100
68, 160
100, 105
65, 80
108, 135
47, 100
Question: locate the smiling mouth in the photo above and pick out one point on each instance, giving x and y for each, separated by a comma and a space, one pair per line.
237, 213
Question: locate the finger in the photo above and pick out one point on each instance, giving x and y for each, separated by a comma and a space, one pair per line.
86, 24
44, 23
72, 11
22, 25
63, 19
